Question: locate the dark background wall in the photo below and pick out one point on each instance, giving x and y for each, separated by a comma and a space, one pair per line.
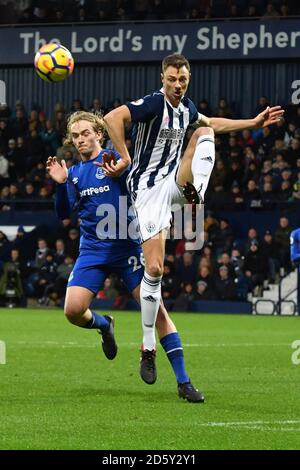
241, 83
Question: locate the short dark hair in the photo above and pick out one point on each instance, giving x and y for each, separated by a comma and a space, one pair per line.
175, 60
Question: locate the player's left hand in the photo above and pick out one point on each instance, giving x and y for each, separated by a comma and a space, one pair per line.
269, 116
111, 165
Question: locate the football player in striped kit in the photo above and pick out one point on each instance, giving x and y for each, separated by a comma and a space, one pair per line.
160, 176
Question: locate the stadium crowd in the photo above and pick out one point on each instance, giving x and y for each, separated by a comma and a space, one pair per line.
254, 170
52, 11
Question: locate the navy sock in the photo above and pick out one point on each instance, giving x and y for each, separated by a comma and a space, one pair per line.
173, 348
98, 322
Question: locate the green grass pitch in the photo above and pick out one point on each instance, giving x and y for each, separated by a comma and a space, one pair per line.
58, 391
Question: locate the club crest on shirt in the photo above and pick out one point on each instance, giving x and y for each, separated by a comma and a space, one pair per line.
100, 173
150, 227
138, 102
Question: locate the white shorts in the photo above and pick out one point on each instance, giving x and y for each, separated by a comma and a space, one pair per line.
154, 206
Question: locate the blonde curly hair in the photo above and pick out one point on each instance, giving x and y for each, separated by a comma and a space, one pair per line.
95, 119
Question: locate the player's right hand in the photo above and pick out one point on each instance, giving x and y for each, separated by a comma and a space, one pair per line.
111, 166
57, 171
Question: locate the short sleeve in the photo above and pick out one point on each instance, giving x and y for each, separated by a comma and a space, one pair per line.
145, 109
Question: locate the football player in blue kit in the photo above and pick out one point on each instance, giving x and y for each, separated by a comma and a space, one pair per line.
105, 251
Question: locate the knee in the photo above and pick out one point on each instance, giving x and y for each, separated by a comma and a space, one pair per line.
155, 269
73, 312
201, 131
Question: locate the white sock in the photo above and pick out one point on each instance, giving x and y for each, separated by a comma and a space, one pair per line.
150, 295
203, 162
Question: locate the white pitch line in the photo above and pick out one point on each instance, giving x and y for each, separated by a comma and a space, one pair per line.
256, 425
248, 423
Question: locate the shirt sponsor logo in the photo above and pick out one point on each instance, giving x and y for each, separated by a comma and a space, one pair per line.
93, 191
171, 134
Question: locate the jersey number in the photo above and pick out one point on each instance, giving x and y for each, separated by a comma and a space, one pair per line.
137, 264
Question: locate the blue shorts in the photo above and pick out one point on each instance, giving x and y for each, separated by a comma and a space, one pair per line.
130, 269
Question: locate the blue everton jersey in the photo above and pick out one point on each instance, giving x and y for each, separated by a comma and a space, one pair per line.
158, 133
107, 230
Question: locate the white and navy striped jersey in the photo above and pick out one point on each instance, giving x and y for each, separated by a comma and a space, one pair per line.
157, 135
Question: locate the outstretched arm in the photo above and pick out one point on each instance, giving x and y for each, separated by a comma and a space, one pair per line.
115, 123
222, 125
59, 174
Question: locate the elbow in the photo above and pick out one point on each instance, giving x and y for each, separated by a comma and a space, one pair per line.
108, 119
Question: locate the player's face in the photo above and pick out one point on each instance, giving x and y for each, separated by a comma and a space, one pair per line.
85, 139
175, 82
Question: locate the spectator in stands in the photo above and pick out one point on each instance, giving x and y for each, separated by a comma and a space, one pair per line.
20, 124
20, 234
268, 248
224, 260
109, 292
170, 285
270, 12
252, 238
219, 174
263, 102
5, 134
59, 253
225, 287
203, 292
46, 276
41, 253
4, 170
236, 197
282, 240
63, 272
3, 239
255, 267
50, 138
204, 108
296, 188
97, 107
186, 269
268, 196
252, 195
222, 241
252, 13
223, 109
235, 174
4, 193
207, 256
204, 274
293, 152
11, 285
184, 299
77, 105
252, 173
72, 243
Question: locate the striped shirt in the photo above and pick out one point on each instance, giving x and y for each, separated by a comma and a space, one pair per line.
157, 135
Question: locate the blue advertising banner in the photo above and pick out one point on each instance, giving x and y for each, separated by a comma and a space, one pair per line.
129, 42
